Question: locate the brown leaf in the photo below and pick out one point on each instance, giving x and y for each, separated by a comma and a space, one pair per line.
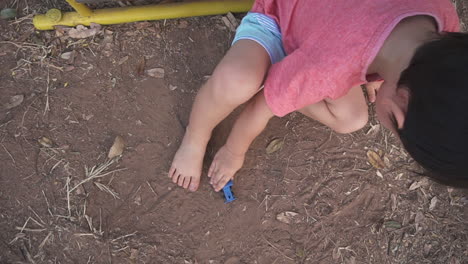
117, 148
417, 184
83, 32
122, 60
288, 217
433, 204
45, 142
183, 24
274, 145
375, 159
142, 25
14, 101
141, 66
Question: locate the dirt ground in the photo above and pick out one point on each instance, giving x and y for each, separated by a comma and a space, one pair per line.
319, 199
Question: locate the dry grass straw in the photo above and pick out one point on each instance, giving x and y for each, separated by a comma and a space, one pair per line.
97, 172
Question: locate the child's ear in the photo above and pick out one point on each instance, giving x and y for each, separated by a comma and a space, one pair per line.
400, 105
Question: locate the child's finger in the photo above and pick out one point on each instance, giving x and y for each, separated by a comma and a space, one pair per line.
371, 93
211, 170
223, 181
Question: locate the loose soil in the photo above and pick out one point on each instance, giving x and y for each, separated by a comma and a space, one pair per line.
339, 206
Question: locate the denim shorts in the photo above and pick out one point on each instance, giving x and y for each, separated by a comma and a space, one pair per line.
265, 31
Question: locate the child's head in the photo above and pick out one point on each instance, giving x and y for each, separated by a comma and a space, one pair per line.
431, 110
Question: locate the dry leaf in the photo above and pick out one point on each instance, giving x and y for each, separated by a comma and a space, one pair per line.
123, 60
183, 24
274, 145
142, 25
137, 199
83, 32
228, 23
373, 130
45, 142
66, 55
117, 148
394, 202
418, 220
14, 101
134, 253
392, 224
156, 72
336, 253
375, 159
417, 184
433, 204
288, 217
141, 66
232, 19
379, 174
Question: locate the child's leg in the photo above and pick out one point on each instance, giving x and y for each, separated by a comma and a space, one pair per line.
344, 115
234, 81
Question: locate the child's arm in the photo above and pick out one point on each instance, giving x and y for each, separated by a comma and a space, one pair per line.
345, 114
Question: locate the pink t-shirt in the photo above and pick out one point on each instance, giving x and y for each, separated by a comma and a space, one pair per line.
331, 43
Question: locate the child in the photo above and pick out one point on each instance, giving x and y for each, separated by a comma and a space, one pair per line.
312, 56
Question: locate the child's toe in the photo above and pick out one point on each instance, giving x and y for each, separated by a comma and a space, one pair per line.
187, 182
194, 185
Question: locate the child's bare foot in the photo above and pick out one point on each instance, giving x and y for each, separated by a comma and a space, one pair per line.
187, 165
225, 165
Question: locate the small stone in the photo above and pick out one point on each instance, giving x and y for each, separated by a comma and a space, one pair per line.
66, 55
156, 72
14, 101
8, 13
172, 87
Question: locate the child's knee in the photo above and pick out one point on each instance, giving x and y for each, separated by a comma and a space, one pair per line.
352, 123
233, 85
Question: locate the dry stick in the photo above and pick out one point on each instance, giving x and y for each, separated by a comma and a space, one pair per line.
120, 237
37, 215
279, 251
95, 173
26, 253
67, 184
47, 108
44, 241
9, 154
47, 202
29, 229
147, 182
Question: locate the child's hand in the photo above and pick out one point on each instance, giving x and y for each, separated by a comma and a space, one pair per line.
225, 165
372, 88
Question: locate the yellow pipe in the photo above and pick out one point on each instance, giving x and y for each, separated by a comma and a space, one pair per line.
140, 13
82, 9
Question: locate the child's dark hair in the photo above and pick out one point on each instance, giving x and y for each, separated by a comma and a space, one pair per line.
435, 131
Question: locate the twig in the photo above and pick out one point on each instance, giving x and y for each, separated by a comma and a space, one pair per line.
45, 240
147, 182
9, 154
47, 108
67, 184
121, 237
279, 251
96, 172
107, 189
42, 221
29, 229
26, 253
47, 202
